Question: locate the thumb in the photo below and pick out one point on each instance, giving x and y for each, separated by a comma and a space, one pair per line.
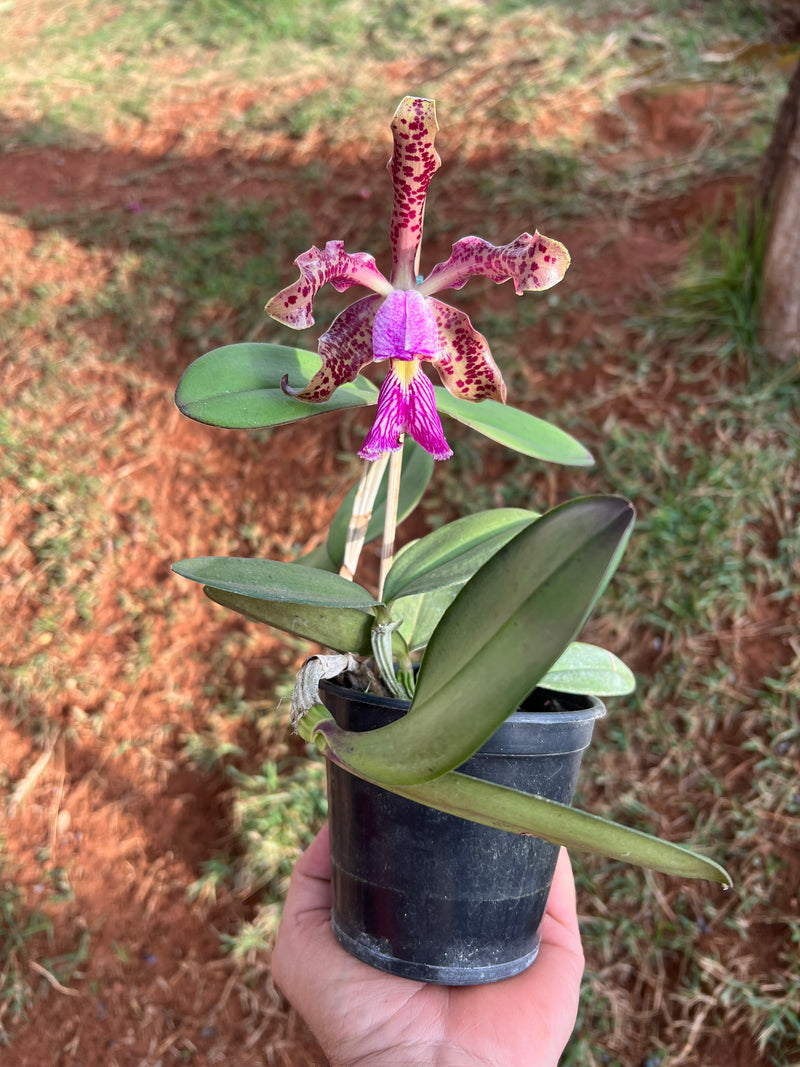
305, 927
311, 879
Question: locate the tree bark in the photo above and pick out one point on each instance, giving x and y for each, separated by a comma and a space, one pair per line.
779, 194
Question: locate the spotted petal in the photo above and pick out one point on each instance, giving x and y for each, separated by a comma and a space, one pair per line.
531, 261
412, 166
292, 305
345, 347
464, 360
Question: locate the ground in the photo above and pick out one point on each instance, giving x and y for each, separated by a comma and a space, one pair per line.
113, 663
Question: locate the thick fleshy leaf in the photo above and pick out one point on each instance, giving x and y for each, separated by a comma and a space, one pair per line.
292, 305
342, 629
589, 669
498, 638
451, 555
413, 164
417, 471
515, 429
319, 558
533, 262
345, 348
269, 579
239, 387
464, 360
522, 813
419, 615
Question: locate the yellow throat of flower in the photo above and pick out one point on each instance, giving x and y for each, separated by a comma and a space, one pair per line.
405, 370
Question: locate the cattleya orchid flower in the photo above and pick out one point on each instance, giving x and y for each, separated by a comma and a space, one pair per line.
401, 321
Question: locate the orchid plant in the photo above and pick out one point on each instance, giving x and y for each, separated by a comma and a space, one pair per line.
491, 603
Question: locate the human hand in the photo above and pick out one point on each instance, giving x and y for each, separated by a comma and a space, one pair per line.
363, 1017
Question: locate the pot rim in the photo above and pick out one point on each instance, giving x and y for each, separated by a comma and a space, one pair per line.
584, 706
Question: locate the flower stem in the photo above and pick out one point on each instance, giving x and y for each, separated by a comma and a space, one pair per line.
390, 519
371, 476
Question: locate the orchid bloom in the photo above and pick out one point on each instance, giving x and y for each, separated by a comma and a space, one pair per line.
402, 322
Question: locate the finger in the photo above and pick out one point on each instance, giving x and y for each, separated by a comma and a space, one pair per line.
305, 925
315, 862
310, 887
561, 936
561, 903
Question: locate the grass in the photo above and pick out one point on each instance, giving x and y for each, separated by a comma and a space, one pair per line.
210, 276
114, 301
719, 296
277, 811
27, 942
277, 807
19, 931
117, 65
709, 515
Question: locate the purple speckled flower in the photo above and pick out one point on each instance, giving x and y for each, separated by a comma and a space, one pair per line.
402, 322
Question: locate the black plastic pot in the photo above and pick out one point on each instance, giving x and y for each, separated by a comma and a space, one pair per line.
432, 897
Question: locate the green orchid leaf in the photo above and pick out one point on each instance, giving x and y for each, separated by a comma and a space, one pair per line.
589, 669
319, 559
416, 473
452, 554
499, 637
515, 429
239, 387
341, 629
419, 614
522, 813
267, 579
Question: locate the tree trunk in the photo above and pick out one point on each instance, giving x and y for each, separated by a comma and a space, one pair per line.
779, 194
